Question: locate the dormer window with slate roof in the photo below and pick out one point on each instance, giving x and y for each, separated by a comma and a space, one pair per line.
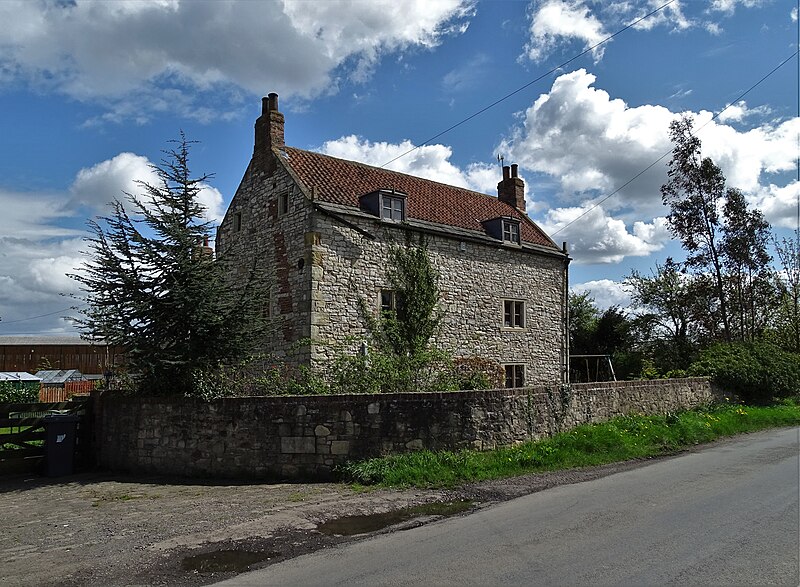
505, 229
511, 231
389, 205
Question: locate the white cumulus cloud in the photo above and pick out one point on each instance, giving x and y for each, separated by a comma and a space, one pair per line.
567, 25
606, 292
554, 21
593, 144
430, 161
110, 180
596, 237
38, 253
140, 58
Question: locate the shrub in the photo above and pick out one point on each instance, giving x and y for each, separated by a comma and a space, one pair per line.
387, 372
255, 376
757, 372
478, 373
18, 392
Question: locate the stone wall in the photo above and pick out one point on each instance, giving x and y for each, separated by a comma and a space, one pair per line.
475, 278
307, 436
272, 242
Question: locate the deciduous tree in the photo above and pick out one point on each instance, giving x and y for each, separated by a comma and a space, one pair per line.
694, 194
788, 316
744, 248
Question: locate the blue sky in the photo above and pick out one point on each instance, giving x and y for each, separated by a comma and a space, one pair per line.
91, 92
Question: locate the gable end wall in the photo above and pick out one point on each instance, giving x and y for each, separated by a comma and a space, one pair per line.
276, 245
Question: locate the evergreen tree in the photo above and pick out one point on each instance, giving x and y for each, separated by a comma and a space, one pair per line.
153, 286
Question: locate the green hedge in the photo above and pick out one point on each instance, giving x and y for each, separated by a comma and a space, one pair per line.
19, 392
756, 372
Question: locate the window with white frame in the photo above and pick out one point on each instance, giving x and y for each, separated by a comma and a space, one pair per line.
513, 314
393, 208
283, 203
511, 231
515, 375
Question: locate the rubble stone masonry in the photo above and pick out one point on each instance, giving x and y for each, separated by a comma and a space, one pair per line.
306, 437
324, 269
474, 281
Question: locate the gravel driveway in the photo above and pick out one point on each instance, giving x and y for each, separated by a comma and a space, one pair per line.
96, 529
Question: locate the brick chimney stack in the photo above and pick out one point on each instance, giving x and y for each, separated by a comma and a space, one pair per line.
269, 134
512, 189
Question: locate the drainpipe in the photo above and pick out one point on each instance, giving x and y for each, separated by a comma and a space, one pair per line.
565, 313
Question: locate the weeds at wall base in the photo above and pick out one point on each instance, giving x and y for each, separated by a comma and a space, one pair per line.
625, 438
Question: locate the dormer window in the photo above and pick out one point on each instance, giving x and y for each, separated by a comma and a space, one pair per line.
511, 231
503, 228
393, 208
389, 205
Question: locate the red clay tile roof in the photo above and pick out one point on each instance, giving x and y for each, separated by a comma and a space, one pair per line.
339, 181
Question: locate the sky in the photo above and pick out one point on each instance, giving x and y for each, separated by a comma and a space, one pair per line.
91, 93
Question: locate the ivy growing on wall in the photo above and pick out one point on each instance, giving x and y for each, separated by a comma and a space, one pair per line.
408, 329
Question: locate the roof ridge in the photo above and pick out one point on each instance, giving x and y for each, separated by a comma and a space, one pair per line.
343, 181
383, 170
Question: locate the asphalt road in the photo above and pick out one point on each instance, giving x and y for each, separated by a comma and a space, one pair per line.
725, 515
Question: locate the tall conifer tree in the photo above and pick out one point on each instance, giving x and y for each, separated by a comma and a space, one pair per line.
153, 286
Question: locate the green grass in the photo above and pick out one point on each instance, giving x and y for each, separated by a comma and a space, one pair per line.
630, 437
14, 430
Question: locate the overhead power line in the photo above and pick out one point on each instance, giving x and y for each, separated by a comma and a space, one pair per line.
657, 161
530, 83
4, 322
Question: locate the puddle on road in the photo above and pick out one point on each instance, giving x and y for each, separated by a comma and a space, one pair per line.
222, 561
352, 525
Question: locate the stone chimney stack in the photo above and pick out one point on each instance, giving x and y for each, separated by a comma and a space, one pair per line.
512, 189
269, 133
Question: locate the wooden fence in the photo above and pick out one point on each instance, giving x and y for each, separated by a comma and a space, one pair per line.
50, 394
23, 434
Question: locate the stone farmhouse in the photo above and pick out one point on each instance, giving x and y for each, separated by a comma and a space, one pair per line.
322, 227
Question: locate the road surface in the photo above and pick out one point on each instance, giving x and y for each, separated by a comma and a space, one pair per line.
725, 515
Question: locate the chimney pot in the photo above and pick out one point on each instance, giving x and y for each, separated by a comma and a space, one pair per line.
512, 189
268, 133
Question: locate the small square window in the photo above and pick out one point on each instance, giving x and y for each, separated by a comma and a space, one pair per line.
237, 222
515, 376
513, 314
393, 208
511, 231
283, 204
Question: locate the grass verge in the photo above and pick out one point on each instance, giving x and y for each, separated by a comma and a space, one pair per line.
629, 437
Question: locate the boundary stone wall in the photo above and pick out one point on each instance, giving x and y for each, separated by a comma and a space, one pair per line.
306, 437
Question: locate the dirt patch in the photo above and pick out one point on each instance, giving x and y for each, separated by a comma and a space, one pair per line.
93, 529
